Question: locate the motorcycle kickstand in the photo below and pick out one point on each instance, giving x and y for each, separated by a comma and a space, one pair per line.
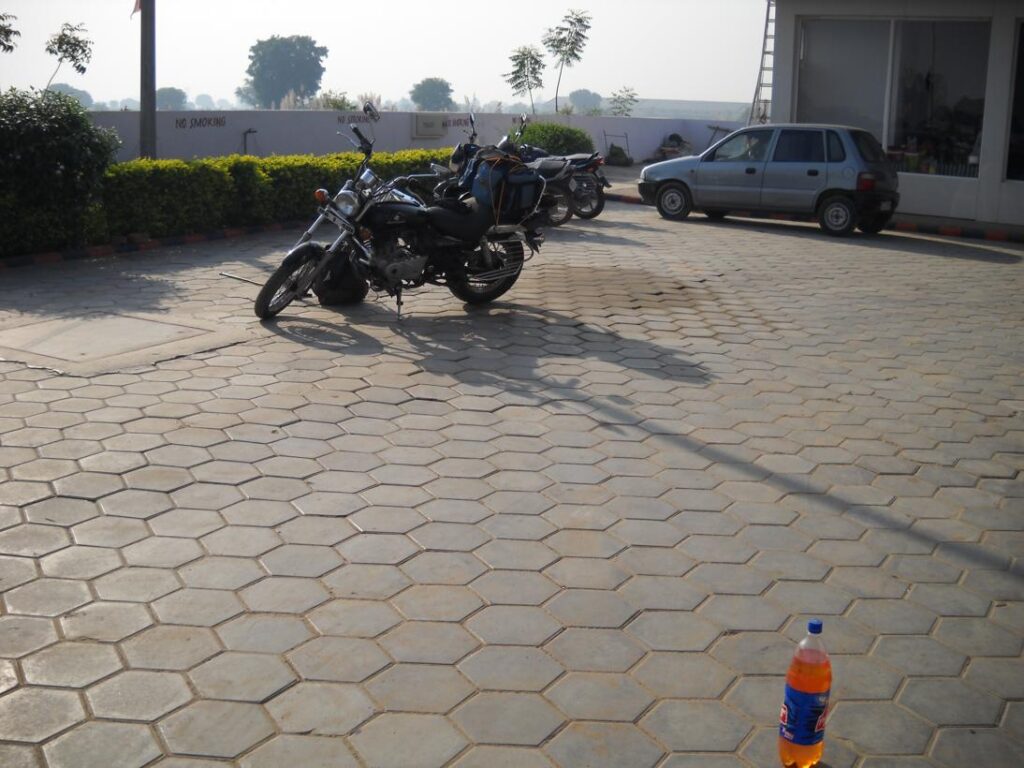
398, 301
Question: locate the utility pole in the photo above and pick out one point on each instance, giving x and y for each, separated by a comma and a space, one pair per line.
147, 96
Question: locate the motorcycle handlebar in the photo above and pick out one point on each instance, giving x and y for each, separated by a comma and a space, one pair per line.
367, 145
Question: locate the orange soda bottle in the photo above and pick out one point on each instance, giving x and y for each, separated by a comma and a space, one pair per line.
802, 719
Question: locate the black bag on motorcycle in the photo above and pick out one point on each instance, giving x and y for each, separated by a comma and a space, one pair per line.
509, 189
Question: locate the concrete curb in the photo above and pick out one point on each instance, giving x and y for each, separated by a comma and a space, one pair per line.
944, 230
99, 251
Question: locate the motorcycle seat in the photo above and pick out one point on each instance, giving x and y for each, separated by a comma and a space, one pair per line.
550, 168
468, 224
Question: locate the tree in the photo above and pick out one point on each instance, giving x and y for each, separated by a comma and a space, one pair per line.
433, 95
566, 42
585, 101
623, 101
280, 65
205, 101
71, 46
84, 98
171, 98
338, 100
7, 32
369, 97
527, 73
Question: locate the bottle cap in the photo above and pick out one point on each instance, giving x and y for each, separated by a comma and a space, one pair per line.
814, 626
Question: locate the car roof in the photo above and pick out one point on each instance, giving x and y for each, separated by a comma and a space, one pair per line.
820, 126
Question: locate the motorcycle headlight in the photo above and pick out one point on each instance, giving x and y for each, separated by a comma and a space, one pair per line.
347, 202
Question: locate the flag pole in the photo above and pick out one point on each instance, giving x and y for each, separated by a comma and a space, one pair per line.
147, 96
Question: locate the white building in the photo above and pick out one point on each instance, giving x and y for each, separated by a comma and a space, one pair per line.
939, 82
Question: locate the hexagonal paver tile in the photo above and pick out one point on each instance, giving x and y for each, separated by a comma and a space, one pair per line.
162, 552
503, 757
70, 664
35, 714
80, 562
591, 696
743, 612
507, 718
241, 677
604, 745
216, 728
705, 726
950, 702
142, 585
305, 751
855, 677
662, 593
443, 568
284, 594
32, 540
757, 653
428, 642
674, 631
197, 607
354, 618
590, 608
221, 572
758, 698
878, 727
170, 648
47, 597
683, 675
408, 741
106, 622
138, 695
977, 637
419, 688
514, 587
100, 745
595, 650
963, 746
264, 633
20, 635
513, 625
241, 541
370, 582
516, 555
510, 668
426, 602
301, 560
320, 709
340, 659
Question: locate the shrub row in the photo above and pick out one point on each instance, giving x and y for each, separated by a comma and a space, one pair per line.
558, 139
160, 198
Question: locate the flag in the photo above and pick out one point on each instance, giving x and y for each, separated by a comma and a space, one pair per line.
138, 7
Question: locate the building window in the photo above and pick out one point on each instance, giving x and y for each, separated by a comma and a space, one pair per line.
1015, 159
842, 72
939, 70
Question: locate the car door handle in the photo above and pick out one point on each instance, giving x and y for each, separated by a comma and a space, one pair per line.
812, 172
751, 171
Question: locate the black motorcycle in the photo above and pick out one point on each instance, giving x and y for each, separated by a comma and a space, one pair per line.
588, 183
390, 241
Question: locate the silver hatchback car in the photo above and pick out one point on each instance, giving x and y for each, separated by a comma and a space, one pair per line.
838, 174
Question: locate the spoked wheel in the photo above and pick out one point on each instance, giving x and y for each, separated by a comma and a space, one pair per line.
289, 281
590, 205
340, 285
490, 273
560, 210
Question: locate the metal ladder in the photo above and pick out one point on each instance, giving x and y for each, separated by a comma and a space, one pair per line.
761, 106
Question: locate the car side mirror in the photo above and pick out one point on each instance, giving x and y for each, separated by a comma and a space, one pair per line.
371, 111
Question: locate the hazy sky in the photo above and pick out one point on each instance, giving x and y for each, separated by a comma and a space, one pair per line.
668, 49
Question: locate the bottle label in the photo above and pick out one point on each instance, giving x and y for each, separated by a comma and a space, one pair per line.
802, 719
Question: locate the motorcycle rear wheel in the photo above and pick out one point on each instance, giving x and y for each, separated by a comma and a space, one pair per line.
286, 284
473, 290
590, 207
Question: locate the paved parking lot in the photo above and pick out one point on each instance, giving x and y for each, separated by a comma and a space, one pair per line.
581, 527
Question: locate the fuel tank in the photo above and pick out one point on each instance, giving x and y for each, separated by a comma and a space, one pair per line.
395, 214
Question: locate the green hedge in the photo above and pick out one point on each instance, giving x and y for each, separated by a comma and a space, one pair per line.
159, 198
557, 139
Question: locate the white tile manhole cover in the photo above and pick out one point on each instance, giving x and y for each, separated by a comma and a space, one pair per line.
96, 341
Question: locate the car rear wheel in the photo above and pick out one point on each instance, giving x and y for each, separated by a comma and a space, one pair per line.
673, 201
873, 224
837, 216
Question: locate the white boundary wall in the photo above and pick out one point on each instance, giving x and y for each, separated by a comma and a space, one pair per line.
189, 135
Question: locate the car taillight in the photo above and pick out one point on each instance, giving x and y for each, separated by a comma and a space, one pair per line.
866, 182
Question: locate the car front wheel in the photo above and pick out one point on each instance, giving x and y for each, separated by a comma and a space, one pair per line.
673, 201
837, 215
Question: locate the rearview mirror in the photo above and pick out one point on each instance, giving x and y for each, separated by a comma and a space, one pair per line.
371, 111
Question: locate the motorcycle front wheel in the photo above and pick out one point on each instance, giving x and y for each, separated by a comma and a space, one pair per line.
590, 205
560, 211
484, 282
289, 281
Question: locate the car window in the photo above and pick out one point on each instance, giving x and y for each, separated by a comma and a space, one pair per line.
799, 147
868, 146
836, 151
747, 146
